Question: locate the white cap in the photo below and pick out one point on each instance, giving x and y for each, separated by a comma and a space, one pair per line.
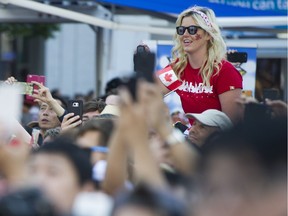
111, 109
213, 118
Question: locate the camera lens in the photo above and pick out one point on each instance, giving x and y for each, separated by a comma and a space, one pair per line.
141, 49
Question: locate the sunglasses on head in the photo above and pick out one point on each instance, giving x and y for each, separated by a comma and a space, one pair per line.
192, 30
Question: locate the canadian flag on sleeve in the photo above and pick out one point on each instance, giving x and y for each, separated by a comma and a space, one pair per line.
169, 78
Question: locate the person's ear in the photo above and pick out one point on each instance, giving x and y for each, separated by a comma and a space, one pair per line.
208, 36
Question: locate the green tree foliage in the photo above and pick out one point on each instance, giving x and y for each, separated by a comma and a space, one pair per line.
29, 30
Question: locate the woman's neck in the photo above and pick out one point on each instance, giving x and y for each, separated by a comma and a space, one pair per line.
196, 60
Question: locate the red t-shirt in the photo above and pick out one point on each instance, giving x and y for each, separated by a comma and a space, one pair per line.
196, 98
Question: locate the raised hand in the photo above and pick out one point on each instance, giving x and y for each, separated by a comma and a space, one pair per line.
278, 107
132, 113
156, 112
70, 122
42, 94
134, 130
11, 80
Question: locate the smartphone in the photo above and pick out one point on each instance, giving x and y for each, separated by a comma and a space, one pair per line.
144, 63
236, 57
76, 107
10, 109
23, 87
180, 126
272, 94
37, 78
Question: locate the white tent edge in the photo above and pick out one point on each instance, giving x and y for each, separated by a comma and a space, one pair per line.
83, 18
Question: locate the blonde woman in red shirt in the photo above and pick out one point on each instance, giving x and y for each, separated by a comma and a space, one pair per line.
199, 61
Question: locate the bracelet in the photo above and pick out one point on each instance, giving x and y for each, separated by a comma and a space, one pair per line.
175, 137
102, 149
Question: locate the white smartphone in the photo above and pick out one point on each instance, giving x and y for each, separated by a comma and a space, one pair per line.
11, 106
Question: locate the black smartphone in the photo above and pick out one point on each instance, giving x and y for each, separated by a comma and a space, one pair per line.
271, 94
76, 107
144, 63
180, 126
236, 57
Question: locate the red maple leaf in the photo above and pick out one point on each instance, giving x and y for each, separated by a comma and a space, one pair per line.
198, 37
168, 77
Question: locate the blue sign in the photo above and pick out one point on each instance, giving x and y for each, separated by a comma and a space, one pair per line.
222, 8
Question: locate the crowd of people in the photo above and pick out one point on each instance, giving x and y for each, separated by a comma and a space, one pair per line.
128, 156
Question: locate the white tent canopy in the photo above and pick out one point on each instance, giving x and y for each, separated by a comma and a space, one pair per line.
83, 18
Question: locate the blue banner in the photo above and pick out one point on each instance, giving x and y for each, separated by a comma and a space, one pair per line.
222, 8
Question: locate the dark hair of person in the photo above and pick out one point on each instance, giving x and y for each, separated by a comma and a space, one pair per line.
265, 140
158, 202
62, 100
94, 105
104, 126
113, 84
78, 157
24, 202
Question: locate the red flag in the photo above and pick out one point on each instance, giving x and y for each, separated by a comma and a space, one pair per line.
169, 78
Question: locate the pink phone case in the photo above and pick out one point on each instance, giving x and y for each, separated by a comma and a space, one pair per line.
37, 78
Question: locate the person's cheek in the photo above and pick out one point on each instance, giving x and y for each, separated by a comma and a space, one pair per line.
56, 188
198, 37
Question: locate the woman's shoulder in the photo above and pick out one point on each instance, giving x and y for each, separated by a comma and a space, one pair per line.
228, 71
227, 67
226, 64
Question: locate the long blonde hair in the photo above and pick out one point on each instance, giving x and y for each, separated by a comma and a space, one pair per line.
216, 49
